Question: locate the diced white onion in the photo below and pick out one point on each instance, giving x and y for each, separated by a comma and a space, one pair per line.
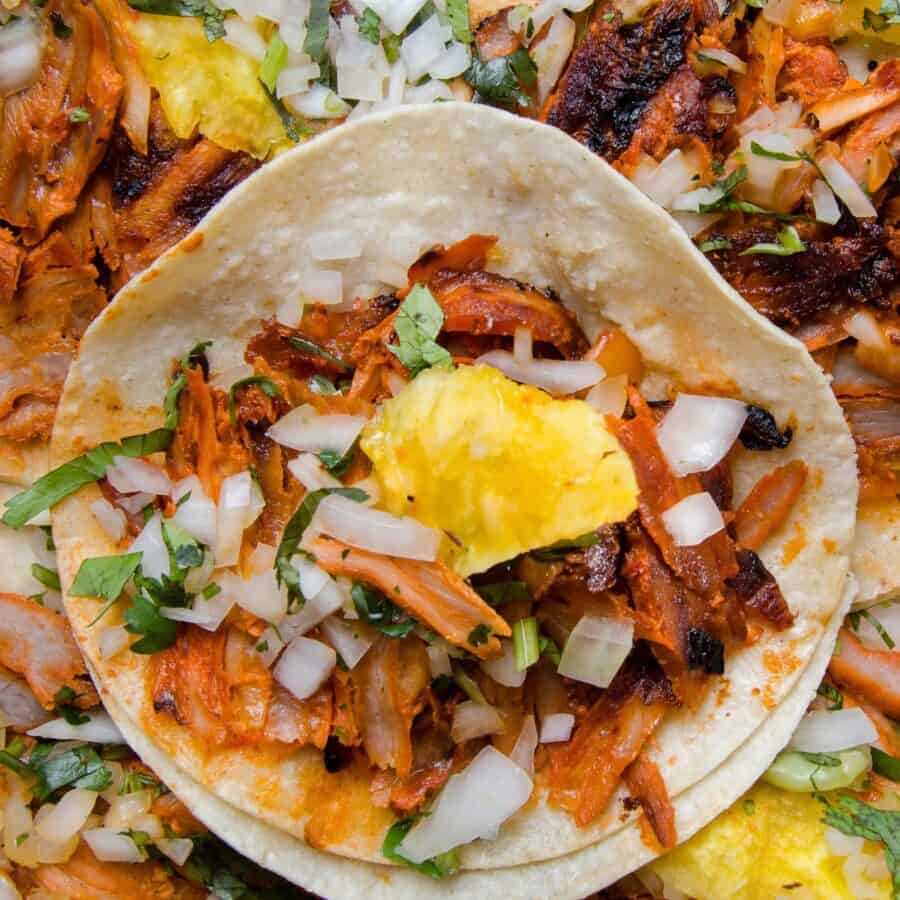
887, 616
522, 753
523, 343
132, 476
198, 577
41, 519
693, 200
824, 203
694, 223
327, 599
296, 79
134, 503
396, 14
396, 87
552, 54
323, 286
451, 63
609, 396
864, 327
67, 817
845, 186
360, 83
438, 660
307, 469
761, 119
430, 92
320, 102
111, 519
150, 543
111, 846
557, 728
726, 58
830, 731
207, 614
18, 705
473, 804
697, 431
780, 12
423, 47
269, 646
112, 641
473, 720
304, 666
99, 729
662, 183
862, 872
260, 595
503, 668
556, 376
245, 38
125, 808
20, 55
196, 515
596, 649
351, 640
304, 429
374, 530
177, 849
693, 519
240, 504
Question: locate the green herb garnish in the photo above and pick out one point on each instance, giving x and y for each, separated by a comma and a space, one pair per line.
213, 17
369, 24
501, 592
313, 349
526, 647
714, 244
479, 635
832, 694
78, 115
501, 81
60, 28
788, 244
458, 15
105, 577
885, 764
419, 321
143, 617
49, 578
376, 610
273, 62
438, 867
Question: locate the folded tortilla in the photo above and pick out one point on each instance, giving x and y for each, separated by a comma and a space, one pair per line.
565, 219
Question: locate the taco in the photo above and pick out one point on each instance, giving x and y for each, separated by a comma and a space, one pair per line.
525, 542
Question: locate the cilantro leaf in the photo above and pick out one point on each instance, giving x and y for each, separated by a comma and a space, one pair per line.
317, 29
58, 484
336, 464
885, 764
873, 620
369, 24
479, 635
857, 819
105, 576
788, 243
143, 617
376, 610
185, 551
196, 356
500, 81
213, 17
273, 62
438, 867
78, 115
419, 321
714, 244
294, 127
458, 15
49, 578
293, 533
831, 693
79, 767
313, 349
63, 703
60, 28
500, 592
263, 382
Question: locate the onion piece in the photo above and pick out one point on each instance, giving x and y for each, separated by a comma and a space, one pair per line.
829, 731
260, 595
396, 14
351, 641
451, 63
109, 845
552, 53
438, 660
423, 47
430, 92
111, 519
724, 57
112, 641
207, 614
885, 615
609, 396
295, 80
125, 808
824, 204
304, 429
374, 530
865, 328
596, 649
326, 601
240, 504
320, 102
841, 844
304, 666
244, 37
133, 476
503, 668
323, 286
473, 804
780, 12
698, 431
197, 514
177, 849
134, 503
523, 346
18, 705
20, 56
844, 107
269, 646
99, 729
473, 720
664, 182
307, 469
67, 817
557, 728
155, 559
693, 519
843, 184
556, 376
522, 753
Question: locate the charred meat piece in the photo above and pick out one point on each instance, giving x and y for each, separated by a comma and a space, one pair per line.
757, 589
615, 73
705, 652
45, 157
761, 432
597, 566
791, 290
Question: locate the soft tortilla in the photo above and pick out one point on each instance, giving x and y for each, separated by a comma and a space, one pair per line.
566, 219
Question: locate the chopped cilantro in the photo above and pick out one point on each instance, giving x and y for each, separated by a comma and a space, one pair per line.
263, 382
501, 592
63, 702
135, 781
391, 46
418, 323
143, 617
213, 17
885, 764
853, 618
479, 635
184, 550
60, 28
105, 577
369, 24
438, 867
319, 384
317, 29
195, 357
549, 649
79, 114
336, 463
500, 81
79, 767
458, 15
294, 127
714, 244
273, 62
211, 590
376, 610
788, 243
58, 484
49, 578
313, 349
831, 693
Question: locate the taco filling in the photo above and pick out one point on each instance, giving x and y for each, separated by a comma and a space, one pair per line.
446, 541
